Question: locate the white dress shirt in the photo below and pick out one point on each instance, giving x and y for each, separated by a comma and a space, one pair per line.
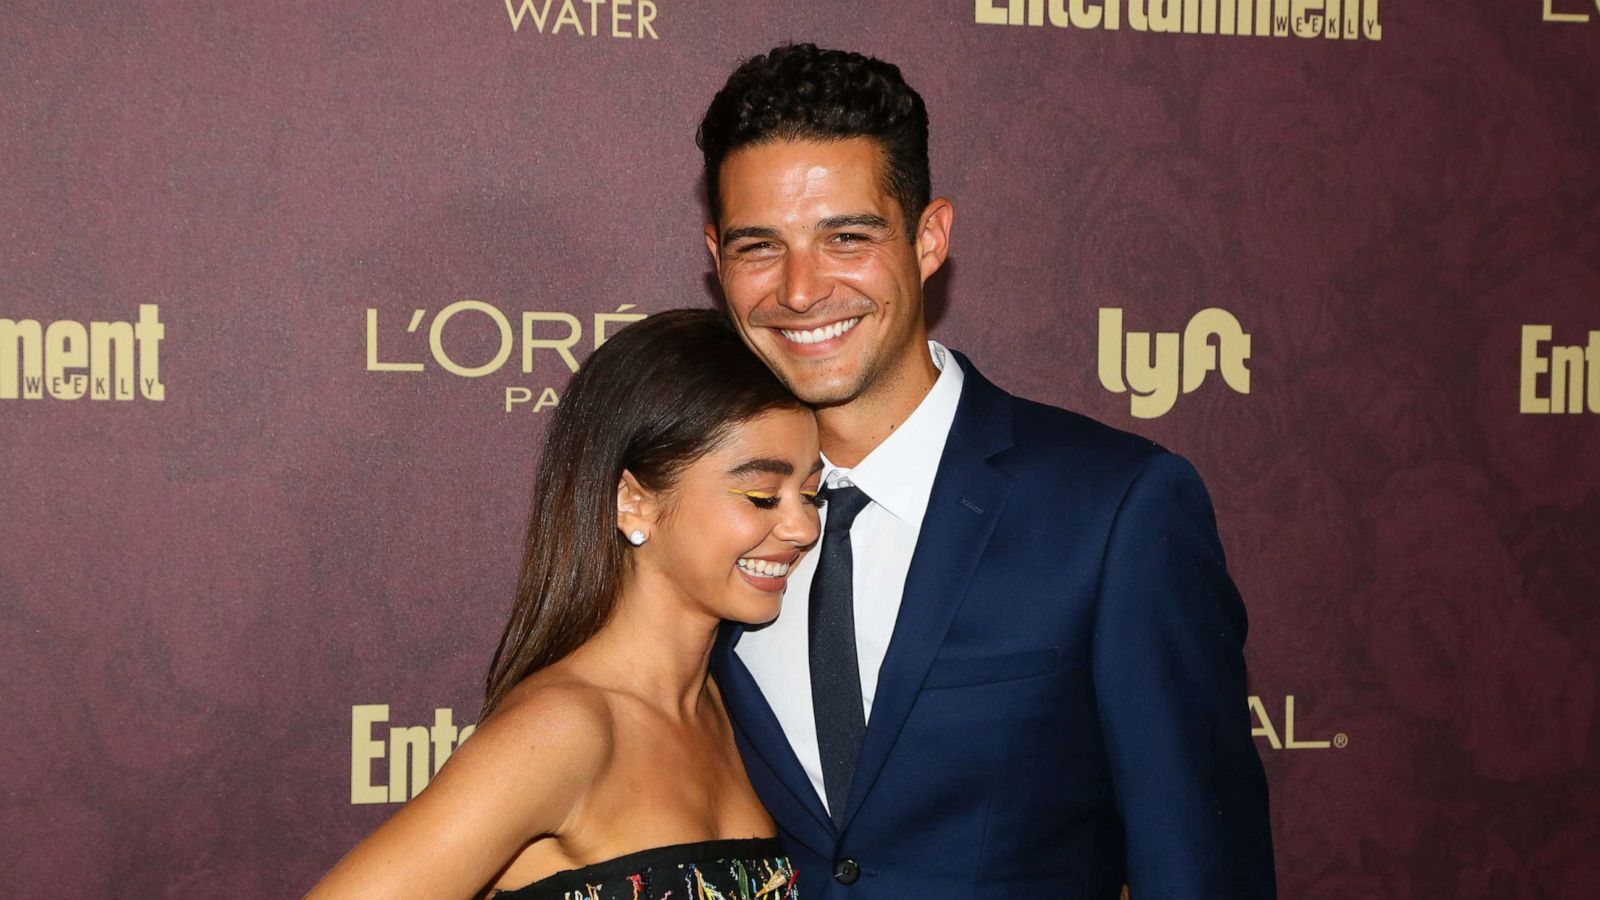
898, 477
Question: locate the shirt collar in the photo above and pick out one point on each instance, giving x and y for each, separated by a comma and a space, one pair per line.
898, 474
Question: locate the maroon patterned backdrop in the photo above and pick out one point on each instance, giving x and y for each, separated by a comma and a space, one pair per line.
204, 597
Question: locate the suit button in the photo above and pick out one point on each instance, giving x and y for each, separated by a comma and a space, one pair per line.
846, 871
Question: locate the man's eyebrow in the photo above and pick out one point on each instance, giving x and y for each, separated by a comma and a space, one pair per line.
762, 466
748, 231
853, 220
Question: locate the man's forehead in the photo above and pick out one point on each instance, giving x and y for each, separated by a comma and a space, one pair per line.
803, 181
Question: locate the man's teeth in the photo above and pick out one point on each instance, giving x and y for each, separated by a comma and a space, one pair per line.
825, 333
764, 568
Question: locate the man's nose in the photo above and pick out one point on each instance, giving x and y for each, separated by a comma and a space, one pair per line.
804, 282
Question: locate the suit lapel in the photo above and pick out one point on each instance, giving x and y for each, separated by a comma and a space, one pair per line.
968, 495
753, 717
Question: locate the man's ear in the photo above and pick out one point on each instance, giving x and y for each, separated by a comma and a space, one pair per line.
715, 246
933, 236
637, 506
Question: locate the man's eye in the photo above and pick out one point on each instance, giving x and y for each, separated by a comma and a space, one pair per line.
758, 247
849, 238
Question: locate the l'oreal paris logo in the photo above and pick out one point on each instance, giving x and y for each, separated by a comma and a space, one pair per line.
1566, 14
1286, 737
393, 349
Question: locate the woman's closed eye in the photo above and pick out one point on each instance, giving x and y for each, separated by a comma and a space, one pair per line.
770, 500
759, 499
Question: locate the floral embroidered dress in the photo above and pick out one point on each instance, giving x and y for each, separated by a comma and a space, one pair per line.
739, 869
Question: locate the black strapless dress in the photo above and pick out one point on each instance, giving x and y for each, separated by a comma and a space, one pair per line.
740, 869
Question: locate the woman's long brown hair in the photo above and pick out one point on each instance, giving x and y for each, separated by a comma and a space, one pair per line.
652, 400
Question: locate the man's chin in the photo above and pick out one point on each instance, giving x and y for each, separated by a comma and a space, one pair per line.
825, 394
819, 383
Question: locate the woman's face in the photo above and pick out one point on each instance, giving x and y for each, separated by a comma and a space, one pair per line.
730, 530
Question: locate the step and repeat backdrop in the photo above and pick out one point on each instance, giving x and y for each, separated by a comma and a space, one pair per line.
288, 292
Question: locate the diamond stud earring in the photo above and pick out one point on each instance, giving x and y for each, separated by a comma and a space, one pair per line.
636, 537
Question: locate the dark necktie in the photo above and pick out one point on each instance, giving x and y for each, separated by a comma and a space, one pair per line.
835, 671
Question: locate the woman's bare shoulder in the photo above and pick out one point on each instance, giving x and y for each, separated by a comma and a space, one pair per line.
551, 722
523, 773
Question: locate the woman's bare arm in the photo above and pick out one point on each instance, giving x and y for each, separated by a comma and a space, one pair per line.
521, 775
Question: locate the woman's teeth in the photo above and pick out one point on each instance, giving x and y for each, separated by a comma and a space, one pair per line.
816, 335
763, 568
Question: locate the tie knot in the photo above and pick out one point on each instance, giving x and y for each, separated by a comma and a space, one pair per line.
844, 504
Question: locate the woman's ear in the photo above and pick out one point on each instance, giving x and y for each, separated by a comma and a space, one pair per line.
636, 509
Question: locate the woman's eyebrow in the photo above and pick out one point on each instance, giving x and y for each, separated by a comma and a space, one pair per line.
762, 466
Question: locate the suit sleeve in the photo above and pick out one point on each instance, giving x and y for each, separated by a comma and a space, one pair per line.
1169, 679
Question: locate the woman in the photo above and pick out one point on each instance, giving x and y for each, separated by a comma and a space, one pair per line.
678, 486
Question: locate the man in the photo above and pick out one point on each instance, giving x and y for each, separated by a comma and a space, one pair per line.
1013, 667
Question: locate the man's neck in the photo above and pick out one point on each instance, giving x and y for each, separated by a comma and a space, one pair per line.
852, 430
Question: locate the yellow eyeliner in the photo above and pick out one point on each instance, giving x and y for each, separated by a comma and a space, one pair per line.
810, 496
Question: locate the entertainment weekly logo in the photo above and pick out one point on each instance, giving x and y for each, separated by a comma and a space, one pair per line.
394, 350
1155, 367
410, 754
1558, 378
70, 360
393, 763
1348, 20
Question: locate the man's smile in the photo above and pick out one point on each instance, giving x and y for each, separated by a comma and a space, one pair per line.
820, 334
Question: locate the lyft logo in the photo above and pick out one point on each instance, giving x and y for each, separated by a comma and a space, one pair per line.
1155, 367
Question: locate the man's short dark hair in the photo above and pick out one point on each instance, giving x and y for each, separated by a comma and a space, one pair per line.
803, 92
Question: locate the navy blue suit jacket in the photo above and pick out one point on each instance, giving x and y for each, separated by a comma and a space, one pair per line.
1062, 707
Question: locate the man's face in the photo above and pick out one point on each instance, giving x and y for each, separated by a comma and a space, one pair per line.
819, 274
